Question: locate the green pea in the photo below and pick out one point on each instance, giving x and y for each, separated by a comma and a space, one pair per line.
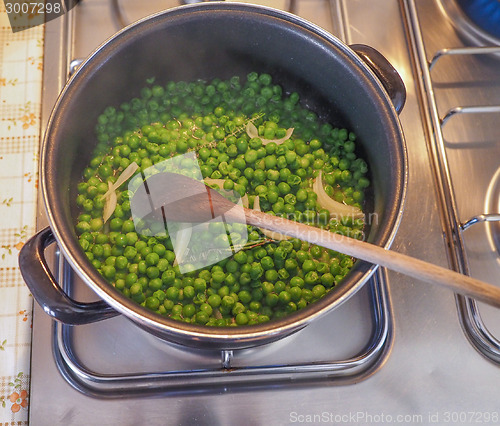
109, 271
273, 175
279, 286
241, 318
204, 153
206, 308
200, 285
267, 262
244, 296
218, 276
251, 156
272, 299
318, 291
228, 302
189, 292
104, 171
301, 195
295, 293
152, 272
328, 280
96, 224
237, 308
316, 251
241, 257
152, 258
284, 188
130, 252
120, 240
202, 317
155, 284
85, 244
256, 271
297, 282
130, 279
214, 300
290, 157
311, 278
270, 161
291, 264
271, 275
308, 265
245, 278
88, 206
136, 292
116, 224
284, 297
188, 310
273, 195
121, 262
172, 293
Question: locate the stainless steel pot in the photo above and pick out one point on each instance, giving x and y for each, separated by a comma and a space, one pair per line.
350, 86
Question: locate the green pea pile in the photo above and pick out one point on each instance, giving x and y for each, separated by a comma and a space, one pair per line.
267, 278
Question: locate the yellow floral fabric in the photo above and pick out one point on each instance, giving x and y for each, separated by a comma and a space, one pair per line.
21, 66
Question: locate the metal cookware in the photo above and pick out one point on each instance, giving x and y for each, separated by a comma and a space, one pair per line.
351, 86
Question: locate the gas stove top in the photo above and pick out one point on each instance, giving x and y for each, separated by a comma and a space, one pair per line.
399, 350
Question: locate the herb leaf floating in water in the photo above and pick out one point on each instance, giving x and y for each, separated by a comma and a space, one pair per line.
218, 182
252, 132
335, 208
110, 199
110, 202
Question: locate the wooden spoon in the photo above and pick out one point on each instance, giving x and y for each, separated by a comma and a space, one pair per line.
188, 200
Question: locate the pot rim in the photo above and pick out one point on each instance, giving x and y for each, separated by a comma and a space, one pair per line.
228, 337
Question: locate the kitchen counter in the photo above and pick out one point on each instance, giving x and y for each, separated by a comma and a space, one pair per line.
21, 67
421, 379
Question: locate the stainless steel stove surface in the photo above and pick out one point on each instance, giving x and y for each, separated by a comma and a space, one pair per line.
399, 351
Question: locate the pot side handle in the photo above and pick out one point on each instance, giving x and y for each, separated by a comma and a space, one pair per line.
385, 72
47, 292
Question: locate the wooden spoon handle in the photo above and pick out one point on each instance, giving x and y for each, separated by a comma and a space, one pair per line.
395, 261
